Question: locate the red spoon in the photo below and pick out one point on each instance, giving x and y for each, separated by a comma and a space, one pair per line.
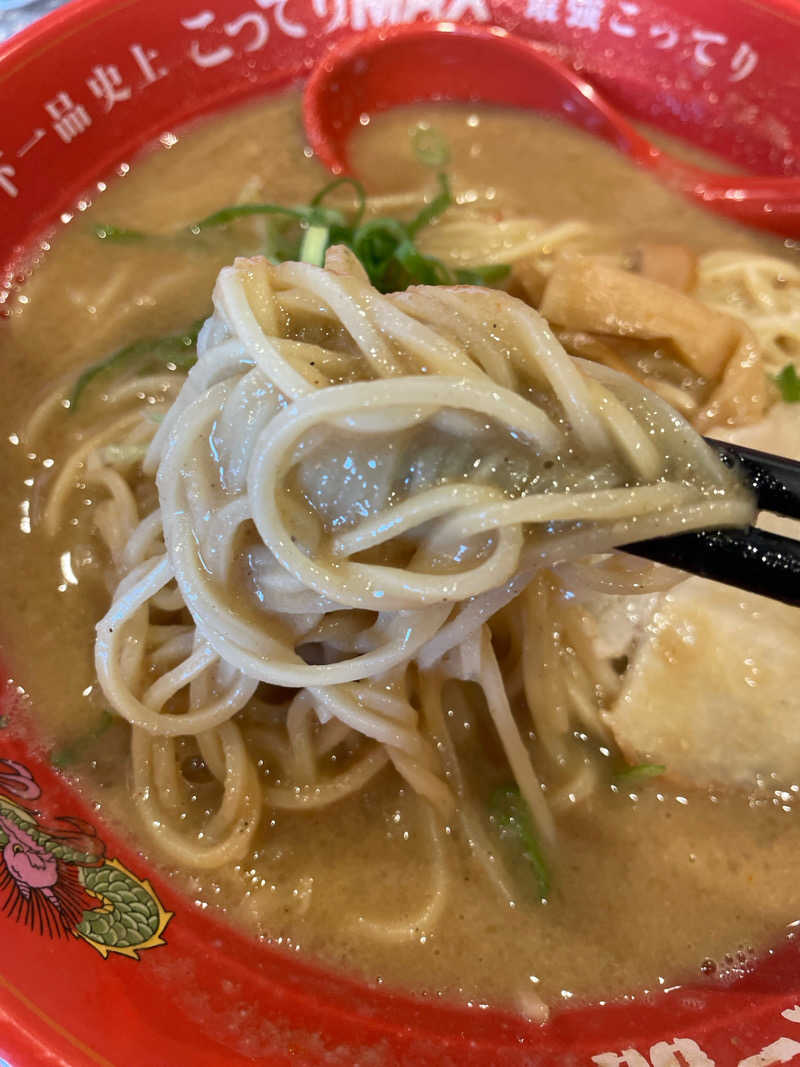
444, 61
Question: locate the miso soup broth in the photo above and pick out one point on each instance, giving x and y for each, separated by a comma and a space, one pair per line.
675, 871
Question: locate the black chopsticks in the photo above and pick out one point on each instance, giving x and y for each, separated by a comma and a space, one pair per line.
747, 558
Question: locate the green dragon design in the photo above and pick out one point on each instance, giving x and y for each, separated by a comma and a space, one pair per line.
57, 878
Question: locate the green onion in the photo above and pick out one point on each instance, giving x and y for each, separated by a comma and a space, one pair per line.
337, 183
375, 243
513, 819
788, 382
641, 772
238, 211
76, 750
440, 203
495, 272
430, 147
385, 246
118, 233
177, 349
421, 269
316, 241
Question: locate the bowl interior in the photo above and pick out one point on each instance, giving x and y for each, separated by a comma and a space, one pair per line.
722, 77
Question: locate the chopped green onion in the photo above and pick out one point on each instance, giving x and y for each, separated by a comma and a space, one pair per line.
430, 147
118, 233
421, 269
495, 272
385, 247
642, 772
337, 183
238, 211
375, 243
177, 349
440, 203
76, 750
316, 241
788, 382
513, 819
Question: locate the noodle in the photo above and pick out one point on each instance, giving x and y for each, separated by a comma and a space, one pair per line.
350, 487
762, 290
364, 627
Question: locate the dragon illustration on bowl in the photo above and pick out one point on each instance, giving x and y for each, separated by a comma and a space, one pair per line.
55, 877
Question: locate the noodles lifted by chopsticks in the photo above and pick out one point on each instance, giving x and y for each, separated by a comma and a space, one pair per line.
353, 488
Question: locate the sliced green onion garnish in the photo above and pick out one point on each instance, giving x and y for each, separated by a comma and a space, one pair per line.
641, 772
178, 349
316, 240
385, 246
76, 750
430, 147
513, 819
788, 382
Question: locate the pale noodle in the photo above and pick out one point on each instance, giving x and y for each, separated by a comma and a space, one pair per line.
352, 489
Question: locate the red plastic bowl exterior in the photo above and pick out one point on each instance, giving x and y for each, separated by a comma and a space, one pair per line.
210, 996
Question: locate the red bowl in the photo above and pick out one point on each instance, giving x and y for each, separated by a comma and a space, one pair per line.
725, 76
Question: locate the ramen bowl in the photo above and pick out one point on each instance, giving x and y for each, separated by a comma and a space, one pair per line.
85, 90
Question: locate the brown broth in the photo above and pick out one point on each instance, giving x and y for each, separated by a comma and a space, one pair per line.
646, 887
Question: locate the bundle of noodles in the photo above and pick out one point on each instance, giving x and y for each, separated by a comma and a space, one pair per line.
762, 290
353, 490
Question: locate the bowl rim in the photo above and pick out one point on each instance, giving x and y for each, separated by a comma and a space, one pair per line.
80, 15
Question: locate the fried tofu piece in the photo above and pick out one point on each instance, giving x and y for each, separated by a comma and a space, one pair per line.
713, 690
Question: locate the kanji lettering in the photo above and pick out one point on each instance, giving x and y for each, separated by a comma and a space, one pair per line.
784, 1050
702, 39
685, 1052
285, 25
106, 84
144, 59
617, 23
7, 172
662, 1054
69, 119
665, 36
629, 1057
666, 1053
543, 10
744, 62
585, 14
32, 141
